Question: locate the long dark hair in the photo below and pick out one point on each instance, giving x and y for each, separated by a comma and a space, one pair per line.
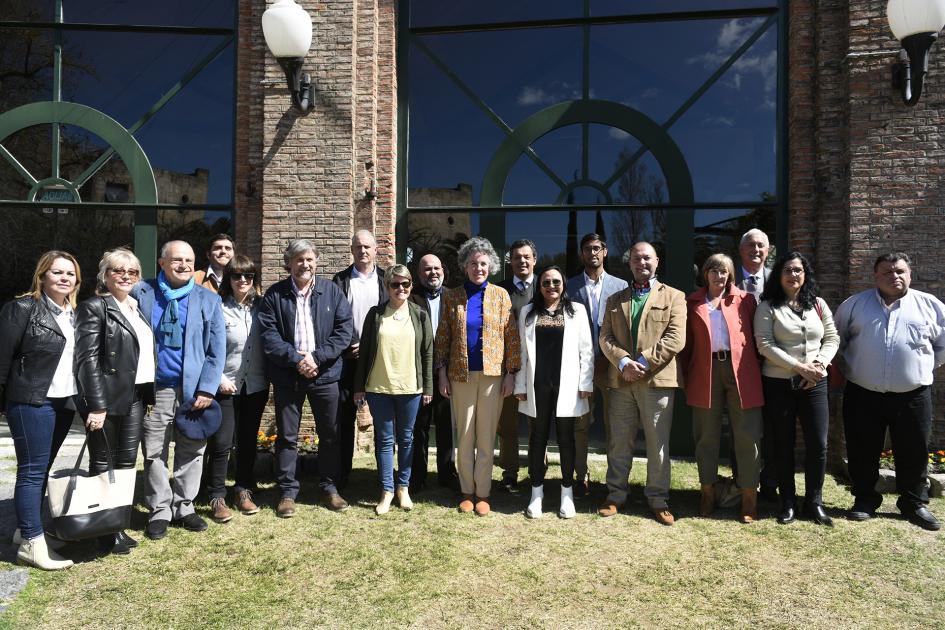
240, 264
774, 292
538, 300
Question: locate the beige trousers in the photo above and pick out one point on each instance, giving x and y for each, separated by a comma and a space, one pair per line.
476, 406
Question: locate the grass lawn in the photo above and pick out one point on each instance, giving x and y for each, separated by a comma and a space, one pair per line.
433, 567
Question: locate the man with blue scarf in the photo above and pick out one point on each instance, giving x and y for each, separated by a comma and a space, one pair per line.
190, 342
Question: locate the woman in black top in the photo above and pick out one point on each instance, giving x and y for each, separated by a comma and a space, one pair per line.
555, 381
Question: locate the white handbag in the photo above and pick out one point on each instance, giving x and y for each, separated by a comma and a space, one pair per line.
86, 507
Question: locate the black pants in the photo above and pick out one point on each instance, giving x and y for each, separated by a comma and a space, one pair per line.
908, 415
347, 416
783, 406
122, 434
437, 414
242, 414
323, 399
546, 400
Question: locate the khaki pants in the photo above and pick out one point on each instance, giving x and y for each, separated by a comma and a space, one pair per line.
746, 430
476, 405
631, 407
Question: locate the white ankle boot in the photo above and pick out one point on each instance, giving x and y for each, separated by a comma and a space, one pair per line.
403, 498
52, 543
34, 553
567, 503
383, 506
534, 505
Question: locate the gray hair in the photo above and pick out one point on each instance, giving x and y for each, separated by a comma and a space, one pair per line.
298, 246
118, 256
753, 232
478, 245
398, 270
354, 237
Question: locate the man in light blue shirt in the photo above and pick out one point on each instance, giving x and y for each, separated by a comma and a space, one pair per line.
892, 338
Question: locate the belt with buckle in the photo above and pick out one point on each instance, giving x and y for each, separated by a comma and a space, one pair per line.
720, 355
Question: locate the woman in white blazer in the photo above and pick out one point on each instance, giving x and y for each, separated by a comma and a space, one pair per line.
555, 381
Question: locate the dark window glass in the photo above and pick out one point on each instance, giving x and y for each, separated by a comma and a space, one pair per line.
623, 7
454, 13
207, 13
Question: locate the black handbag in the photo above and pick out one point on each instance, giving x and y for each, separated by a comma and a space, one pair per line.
87, 507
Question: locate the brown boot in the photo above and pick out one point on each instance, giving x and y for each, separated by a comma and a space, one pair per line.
707, 502
749, 512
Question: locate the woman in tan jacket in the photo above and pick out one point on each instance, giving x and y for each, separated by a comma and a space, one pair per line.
477, 356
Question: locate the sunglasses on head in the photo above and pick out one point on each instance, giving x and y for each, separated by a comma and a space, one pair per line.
248, 277
405, 284
551, 282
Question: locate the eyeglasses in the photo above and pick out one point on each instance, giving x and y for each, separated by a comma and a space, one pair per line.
120, 271
245, 277
593, 249
793, 271
550, 283
399, 285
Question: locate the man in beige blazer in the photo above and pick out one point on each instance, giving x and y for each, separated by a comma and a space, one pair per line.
643, 330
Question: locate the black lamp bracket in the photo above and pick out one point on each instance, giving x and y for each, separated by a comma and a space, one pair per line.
300, 84
908, 74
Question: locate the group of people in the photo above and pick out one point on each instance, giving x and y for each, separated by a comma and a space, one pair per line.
753, 343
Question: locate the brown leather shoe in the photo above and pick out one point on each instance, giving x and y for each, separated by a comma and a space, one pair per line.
749, 511
707, 502
607, 508
334, 502
286, 507
220, 513
466, 505
482, 506
663, 516
245, 504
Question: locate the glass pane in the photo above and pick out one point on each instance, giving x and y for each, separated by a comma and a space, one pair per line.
623, 7
26, 57
721, 231
207, 13
440, 233
85, 233
196, 226
728, 135
456, 12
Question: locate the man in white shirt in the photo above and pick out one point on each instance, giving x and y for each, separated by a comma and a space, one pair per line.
363, 285
591, 288
892, 338
426, 294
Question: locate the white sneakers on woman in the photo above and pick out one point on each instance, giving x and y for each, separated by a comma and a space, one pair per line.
534, 505
567, 503
35, 553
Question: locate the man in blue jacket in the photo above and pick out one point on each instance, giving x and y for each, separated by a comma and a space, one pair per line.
591, 288
190, 343
305, 324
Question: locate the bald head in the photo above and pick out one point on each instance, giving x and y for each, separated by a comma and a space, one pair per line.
177, 263
430, 270
643, 262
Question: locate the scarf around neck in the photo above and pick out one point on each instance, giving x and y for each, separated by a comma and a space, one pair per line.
170, 325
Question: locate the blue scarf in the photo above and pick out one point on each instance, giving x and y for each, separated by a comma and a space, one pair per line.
170, 320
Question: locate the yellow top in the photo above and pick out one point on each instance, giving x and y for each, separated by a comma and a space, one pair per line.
395, 366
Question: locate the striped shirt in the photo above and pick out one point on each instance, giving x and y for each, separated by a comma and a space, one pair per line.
304, 326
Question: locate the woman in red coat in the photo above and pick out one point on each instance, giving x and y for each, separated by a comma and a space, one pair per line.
723, 372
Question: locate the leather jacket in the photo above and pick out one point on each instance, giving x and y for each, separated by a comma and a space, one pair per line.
31, 344
106, 358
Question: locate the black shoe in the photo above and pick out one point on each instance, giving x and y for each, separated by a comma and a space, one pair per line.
861, 512
105, 543
816, 512
508, 484
157, 529
787, 515
768, 494
128, 540
581, 489
192, 523
448, 480
923, 518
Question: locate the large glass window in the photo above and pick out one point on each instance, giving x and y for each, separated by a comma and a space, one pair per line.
647, 120
148, 90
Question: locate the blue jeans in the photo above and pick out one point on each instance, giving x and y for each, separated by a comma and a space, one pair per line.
38, 431
392, 412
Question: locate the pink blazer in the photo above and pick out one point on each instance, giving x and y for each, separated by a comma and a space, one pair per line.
738, 308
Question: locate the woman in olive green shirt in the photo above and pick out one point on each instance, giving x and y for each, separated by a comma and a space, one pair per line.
394, 376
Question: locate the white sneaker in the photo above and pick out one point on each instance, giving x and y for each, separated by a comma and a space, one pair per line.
534, 505
34, 553
383, 506
567, 503
403, 498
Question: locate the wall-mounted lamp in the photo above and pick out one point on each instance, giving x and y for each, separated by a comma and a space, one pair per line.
287, 28
916, 24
